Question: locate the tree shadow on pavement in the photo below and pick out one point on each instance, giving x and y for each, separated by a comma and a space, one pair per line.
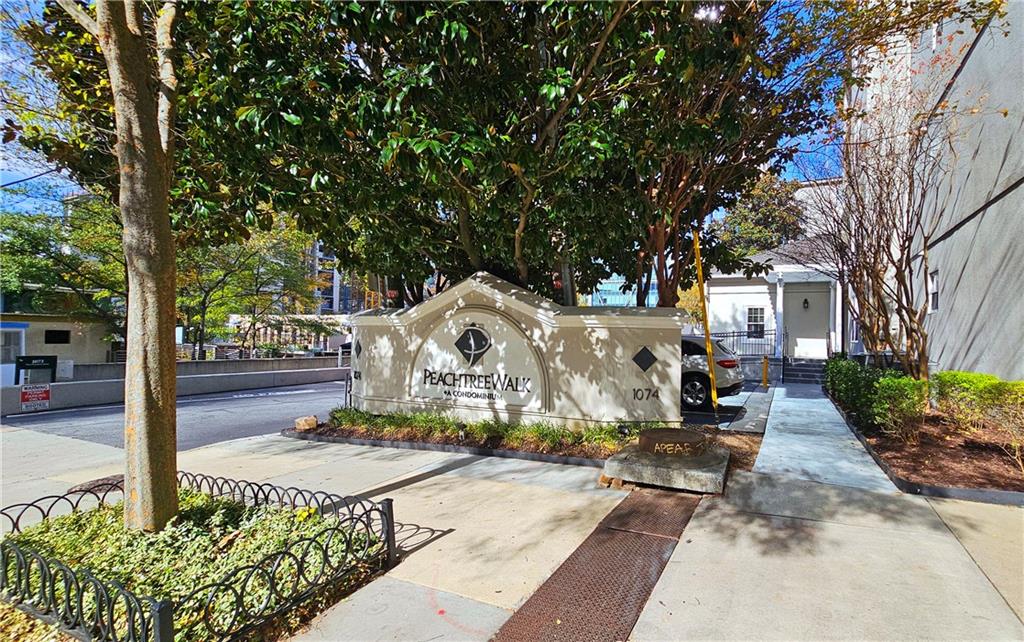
779, 515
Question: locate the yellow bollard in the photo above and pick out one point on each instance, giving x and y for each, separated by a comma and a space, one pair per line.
704, 312
764, 372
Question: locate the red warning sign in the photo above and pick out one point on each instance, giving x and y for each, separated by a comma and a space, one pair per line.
35, 396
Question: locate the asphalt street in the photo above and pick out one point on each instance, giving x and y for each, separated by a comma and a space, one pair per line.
202, 419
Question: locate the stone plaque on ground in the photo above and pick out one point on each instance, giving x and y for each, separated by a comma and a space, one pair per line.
677, 442
671, 458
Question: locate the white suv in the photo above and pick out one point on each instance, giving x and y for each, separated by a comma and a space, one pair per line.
696, 394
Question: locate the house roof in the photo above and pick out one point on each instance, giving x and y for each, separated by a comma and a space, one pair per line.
796, 252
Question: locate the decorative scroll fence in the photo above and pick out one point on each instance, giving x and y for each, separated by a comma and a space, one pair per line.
86, 605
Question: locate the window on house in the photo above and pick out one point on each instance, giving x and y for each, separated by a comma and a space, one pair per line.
755, 323
10, 345
57, 336
933, 290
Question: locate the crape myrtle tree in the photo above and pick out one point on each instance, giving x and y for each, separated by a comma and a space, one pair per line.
873, 226
740, 85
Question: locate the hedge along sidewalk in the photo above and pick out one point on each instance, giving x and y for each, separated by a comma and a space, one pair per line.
988, 496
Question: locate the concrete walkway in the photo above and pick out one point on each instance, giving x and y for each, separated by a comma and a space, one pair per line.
806, 438
785, 559
817, 543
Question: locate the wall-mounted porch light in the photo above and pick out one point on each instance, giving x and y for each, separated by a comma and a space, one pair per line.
806, 304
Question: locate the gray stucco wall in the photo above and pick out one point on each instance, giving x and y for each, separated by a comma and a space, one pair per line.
978, 245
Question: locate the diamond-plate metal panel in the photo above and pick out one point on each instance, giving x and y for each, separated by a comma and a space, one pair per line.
600, 590
645, 358
653, 512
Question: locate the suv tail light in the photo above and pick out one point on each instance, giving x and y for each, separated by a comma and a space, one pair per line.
728, 363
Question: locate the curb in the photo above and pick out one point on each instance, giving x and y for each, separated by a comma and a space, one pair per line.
449, 448
982, 495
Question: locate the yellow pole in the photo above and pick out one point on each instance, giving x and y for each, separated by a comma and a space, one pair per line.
704, 311
764, 372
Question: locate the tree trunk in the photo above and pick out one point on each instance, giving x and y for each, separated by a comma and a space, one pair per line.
144, 123
201, 335
466, 238
643, 286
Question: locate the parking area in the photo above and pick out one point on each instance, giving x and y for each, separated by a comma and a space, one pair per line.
743, 412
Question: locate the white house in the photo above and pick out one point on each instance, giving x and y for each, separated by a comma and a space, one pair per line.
792, 311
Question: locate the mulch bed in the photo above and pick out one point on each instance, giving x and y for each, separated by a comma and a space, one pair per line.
947, 457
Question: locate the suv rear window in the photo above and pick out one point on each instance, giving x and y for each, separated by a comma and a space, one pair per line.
721, 347
692, 349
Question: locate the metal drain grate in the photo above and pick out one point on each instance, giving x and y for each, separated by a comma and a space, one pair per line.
599, 591
651, 511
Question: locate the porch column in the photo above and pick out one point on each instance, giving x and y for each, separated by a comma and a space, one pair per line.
832, 315
780, 345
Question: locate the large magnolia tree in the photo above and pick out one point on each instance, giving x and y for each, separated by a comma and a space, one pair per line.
139, 53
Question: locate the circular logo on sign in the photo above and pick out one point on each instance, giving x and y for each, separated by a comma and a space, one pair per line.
473, 343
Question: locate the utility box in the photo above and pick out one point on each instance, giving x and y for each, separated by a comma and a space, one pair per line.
487, 349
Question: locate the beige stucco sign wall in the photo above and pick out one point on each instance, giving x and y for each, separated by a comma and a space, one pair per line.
487, 349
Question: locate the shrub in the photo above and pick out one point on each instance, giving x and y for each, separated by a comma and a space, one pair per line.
898, 406
1006, 414
539, 436
963, 397
852, 385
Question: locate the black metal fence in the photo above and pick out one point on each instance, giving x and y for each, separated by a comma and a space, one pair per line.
748, 343
362, 536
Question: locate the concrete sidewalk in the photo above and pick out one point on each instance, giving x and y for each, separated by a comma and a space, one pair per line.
806, 438
787, 559
780, 556
479, 535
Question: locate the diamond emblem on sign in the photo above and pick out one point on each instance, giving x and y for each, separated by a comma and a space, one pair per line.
645, 358
359, 348
473, 343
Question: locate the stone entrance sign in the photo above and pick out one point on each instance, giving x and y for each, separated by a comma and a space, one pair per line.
486, 349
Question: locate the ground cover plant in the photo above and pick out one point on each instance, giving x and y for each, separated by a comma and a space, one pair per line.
962, 429
597, 441
208, 540
16, 625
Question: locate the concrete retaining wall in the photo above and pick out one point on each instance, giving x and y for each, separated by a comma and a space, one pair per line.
102, 371
74, 394
753, 369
